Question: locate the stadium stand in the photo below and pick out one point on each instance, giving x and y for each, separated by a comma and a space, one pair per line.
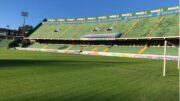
144, 27
4, 43
152, 23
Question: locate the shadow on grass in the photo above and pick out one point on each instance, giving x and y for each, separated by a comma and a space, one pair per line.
56, 63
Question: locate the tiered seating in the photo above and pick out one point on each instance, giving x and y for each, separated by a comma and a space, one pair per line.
154, 26
4, 43
48, 46
143, 27
117, 49
160, 50
3, 34
125, 49
167, 27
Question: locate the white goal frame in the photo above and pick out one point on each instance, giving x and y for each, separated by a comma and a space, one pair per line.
165, 58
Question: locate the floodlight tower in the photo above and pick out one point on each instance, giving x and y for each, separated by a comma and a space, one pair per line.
24, 15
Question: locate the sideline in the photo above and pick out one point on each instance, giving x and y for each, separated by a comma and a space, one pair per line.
127, 55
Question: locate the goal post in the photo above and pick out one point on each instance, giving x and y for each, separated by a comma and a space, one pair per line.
165, 58
178, 66
165, 53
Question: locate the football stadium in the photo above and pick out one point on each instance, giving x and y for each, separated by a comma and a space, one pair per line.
130, 56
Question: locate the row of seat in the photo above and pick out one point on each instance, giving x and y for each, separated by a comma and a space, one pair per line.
103, 48
151, 27
4, 43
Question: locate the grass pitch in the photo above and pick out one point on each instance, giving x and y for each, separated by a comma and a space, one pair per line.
38, 76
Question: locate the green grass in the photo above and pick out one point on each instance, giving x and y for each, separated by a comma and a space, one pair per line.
38, 76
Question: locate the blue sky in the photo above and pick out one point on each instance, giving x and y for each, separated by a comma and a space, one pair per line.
10, 10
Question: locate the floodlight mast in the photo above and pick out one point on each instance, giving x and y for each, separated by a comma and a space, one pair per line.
24, 15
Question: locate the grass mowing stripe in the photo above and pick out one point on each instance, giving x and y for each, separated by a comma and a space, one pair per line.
41, 76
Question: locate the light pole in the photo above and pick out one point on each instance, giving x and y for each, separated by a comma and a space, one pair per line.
24, 15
